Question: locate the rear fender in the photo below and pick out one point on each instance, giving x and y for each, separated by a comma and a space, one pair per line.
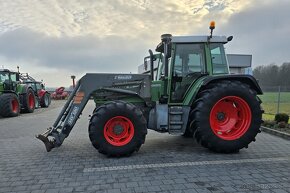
23, 88
41, 93
247, 79
202, 83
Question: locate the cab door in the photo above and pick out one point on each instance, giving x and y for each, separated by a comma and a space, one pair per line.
13, 81
188, 64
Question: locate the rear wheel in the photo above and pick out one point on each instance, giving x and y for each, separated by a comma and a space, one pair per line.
190, 126
9, 105
29, 101
45, 100
117, 129
227, 117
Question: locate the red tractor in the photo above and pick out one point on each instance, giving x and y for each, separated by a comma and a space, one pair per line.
59, 93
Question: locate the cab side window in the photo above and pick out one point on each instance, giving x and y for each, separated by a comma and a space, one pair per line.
218, 59
189, 58
13, 77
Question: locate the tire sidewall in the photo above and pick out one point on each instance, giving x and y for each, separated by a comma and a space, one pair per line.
27, 105
37, 102
45, 100
6, 104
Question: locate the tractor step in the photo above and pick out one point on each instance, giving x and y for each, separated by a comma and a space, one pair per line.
175, 120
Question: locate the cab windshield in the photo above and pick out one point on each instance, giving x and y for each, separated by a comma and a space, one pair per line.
4, 76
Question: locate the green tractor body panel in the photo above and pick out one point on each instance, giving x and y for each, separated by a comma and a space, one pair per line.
1, 88
157, 90
21, 88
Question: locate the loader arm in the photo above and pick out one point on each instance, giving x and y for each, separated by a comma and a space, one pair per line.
87, 86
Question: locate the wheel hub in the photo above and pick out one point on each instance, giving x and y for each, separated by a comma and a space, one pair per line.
118, 129
221, 116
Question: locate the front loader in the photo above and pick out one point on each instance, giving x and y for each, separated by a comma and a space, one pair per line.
191, 94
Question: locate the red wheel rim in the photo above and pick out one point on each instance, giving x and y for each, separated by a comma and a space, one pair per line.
119, 131
230, 118
31, 101
15, 105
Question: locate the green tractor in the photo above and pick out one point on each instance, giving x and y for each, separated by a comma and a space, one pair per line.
14, 97
42, 96
191, 94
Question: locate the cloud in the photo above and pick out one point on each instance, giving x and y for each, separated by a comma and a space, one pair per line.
41, 54
64, 37
80, 53
111, 17
262, 30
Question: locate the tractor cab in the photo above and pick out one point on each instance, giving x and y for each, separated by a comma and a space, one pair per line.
8, 80
183, 60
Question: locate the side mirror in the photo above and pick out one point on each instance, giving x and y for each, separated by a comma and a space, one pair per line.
230, 38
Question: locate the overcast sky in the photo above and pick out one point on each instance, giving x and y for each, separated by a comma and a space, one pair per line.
57, 38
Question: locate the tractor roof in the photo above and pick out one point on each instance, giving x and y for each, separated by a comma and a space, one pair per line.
4, 70
199, 39
193, 39
31, 82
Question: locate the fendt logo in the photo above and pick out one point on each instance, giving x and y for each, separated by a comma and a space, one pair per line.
73, 115
123, 77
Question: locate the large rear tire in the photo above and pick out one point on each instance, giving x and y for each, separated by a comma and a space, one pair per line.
9, 105
227, 116
117, 129
29, 101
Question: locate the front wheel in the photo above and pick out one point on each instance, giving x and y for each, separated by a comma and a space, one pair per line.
117, 129
29, 101
45, 100
227, 117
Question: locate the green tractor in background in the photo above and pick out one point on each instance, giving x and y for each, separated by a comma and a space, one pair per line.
42, 96
192, 93
14, 97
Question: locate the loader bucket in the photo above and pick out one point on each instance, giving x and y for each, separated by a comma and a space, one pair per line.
48, 144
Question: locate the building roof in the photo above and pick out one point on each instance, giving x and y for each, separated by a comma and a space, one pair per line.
239, 60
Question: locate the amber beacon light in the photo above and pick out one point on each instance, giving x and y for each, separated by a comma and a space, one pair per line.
212, 25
